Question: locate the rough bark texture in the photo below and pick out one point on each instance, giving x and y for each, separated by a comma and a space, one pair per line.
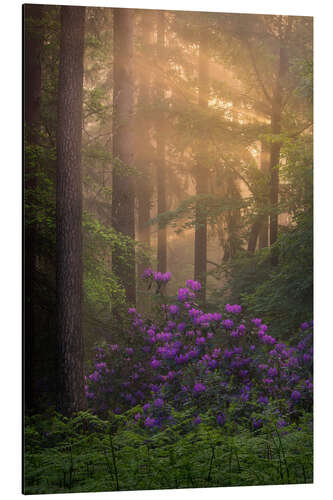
160, 153
143, 148
123, 142
32, 91
71, 394
201, 177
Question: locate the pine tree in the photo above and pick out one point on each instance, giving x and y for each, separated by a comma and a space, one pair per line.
71, 394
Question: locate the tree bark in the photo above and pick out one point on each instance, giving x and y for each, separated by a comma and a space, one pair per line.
160, 150
201, 177
265, 163
70, 355
276, 148
259, 229
32, 93
143, 148
123, 264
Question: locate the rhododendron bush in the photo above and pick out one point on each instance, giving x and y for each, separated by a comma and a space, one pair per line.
221, 366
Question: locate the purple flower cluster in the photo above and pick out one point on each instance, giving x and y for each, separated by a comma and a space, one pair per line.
203, 361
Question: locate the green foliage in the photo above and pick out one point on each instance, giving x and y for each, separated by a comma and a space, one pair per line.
86, 453
282, 295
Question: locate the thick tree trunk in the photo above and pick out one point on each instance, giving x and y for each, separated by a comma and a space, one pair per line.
123, 265
201, 177
143, 148
160, 151
32, 92
70, 394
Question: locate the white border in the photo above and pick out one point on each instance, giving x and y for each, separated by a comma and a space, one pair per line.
11, 243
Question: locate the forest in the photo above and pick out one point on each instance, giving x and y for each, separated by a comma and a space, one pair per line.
168, 249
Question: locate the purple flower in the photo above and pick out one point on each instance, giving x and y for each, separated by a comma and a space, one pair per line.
173, 309
162, 277
95, 376
181, 327
257, 423
150, 422
263, 400
295, 395
194, 285
200, 340
197, 420
256, 321
272, 372
155, 363
146, 407
129, 350
148, 273
216, 316
227, 323
198, 387
221, 419
235, 309
101, 366
158, 403
305, 326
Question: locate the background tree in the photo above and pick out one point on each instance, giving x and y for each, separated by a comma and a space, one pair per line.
123, 193
160, 143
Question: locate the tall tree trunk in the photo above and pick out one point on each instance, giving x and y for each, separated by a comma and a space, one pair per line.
265, 164
32, 92
143, 148
71, 394
201, 177
259, 229
160, 150
123, 264
275, 148
254, 233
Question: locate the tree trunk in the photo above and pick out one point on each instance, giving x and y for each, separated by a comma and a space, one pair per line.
275, 149
265, 163
201, 177
32, 91
123, 263
71, 394
143, 148
259, 229
160, 150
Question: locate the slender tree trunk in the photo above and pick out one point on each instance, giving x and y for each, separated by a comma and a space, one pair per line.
254, 234
71, 394
123, 264
275, 149
160, 150
143, 146
32, 92
265, 163
259, 229
201, 177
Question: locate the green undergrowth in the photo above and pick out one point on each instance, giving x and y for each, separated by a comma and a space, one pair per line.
87, 454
